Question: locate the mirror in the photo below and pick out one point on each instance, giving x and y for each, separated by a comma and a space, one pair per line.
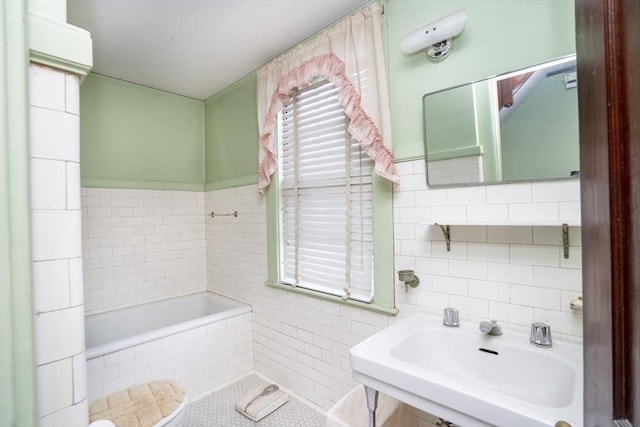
518, 126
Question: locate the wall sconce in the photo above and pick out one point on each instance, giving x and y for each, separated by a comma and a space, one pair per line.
437, 37
409, 278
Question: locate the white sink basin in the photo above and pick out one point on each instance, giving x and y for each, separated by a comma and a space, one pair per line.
470, 378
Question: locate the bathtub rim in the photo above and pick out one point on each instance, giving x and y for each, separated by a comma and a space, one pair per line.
139, 339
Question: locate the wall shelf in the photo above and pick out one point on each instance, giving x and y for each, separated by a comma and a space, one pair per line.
445, 226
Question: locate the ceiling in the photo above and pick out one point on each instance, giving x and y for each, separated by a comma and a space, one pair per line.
196, 48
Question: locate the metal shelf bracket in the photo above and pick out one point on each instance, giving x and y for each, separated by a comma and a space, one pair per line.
447, 235
565, 240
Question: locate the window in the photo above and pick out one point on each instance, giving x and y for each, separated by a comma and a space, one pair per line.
326, 207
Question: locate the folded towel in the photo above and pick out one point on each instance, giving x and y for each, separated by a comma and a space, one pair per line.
259, 402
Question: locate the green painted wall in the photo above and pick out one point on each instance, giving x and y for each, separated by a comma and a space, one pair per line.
231, 135
500, 36
136, 137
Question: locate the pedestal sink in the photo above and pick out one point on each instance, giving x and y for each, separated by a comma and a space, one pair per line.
473, 379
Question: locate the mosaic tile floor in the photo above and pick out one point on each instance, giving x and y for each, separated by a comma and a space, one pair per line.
217, 410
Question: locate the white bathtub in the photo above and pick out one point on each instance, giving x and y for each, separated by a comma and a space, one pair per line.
114, 330
201, 340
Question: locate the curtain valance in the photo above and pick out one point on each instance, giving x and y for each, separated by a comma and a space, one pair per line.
350, 55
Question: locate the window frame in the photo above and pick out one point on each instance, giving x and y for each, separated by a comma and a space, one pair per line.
383, 275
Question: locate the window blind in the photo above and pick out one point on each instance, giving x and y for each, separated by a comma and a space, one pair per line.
326, 198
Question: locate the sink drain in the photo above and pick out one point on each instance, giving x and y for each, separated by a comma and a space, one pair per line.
487, 350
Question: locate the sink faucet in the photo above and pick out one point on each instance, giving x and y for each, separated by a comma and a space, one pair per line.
490, 327
451, 317
540, 334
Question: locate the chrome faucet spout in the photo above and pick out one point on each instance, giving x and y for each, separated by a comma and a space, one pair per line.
490, 327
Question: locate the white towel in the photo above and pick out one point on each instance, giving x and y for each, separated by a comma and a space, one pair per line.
255, 407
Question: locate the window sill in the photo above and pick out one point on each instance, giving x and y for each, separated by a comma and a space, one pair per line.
389, 311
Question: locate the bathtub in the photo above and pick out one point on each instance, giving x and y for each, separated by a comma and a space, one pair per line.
202, 340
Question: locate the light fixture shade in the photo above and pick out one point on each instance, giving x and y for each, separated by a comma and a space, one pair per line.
444, 28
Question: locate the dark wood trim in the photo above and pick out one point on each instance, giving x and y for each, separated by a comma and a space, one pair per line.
608, 53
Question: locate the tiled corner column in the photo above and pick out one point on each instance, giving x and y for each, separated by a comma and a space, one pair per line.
56, 240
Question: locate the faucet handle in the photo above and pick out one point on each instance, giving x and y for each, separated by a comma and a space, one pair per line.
540, 334
451, 317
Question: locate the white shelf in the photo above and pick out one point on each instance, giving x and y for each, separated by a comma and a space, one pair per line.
446, 231
508, 223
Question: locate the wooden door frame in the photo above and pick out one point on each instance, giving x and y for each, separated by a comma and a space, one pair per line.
608, 56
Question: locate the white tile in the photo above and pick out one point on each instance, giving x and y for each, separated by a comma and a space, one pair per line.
414, 215
509, 193
405, 168
533, 212
536, 297
559, 278
434, 300
413, 182
556, 191
574, 260
437, 266
470, 307
56, 235
404, 231
119, 357
535, 255
494, 291
510, 273
79, 364
451, 285
48, 184
457, 250
51, 285
414, 248
442, 214
95, 364
468, 269
76, 282
55, 386
46, 87
75, 415
495, 212
73, 185
54, 135
569, 212
431, 197
403, 199
476, 195
494, 252
51, 344
72, 96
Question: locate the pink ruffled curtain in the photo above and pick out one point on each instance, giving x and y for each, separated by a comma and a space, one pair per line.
350, 55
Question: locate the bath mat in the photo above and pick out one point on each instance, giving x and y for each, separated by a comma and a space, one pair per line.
140, 406
259, 402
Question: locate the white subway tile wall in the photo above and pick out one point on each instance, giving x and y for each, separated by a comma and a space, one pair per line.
202, 359
514, 274
56, 247
300, 342
141, 246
